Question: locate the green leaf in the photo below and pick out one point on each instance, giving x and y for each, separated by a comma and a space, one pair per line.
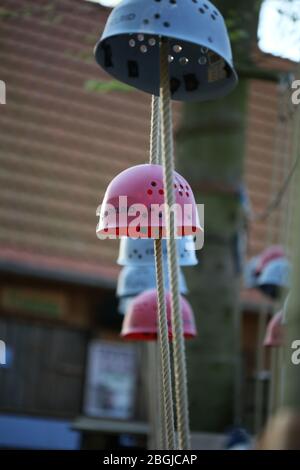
105, 87
90, 39
238, 35
6, 14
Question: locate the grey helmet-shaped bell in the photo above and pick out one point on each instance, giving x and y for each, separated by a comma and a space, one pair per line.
275, 277
200, 57
124, 304
141, 251
249, 274
135, 279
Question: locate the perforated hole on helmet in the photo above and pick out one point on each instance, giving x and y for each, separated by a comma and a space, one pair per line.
174, 84
107, 55
202, 60
133, 68
191, 82
177, 48
183, 60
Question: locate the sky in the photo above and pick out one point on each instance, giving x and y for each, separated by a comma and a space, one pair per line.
278, 31
106, 3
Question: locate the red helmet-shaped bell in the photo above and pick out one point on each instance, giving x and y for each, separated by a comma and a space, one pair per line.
141, 321
269, 254
133, 205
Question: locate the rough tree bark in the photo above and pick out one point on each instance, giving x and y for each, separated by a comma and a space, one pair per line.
283, 430
210, 151
291, 397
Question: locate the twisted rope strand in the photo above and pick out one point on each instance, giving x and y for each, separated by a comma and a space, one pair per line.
167, 398
155, 131
165, 392
180, 374
162, 433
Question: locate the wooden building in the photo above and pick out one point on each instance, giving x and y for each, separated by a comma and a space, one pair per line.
60, 145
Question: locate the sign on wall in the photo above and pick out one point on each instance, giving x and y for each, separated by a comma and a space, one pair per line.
111, 380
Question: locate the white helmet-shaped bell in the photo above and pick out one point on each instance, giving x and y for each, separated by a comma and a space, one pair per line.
200, 57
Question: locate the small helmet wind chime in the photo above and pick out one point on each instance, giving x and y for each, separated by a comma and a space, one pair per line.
172, 49
138, 273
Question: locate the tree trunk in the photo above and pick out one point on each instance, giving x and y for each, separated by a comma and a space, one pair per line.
210, 150
210, 154
291, 395
283, 429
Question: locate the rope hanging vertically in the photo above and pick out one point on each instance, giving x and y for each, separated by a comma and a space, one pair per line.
155, 138
177, 324
166, 398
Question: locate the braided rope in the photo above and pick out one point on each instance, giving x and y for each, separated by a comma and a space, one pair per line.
155, 131
162, 433
177, 323
166, 398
